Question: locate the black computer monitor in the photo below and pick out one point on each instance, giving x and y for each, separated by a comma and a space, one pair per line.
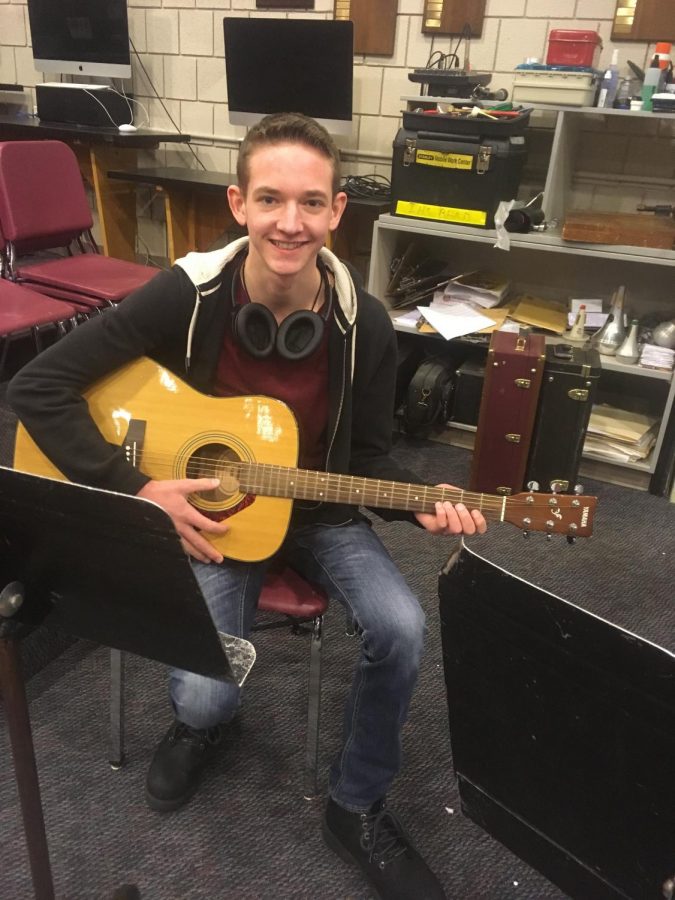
80, 37
290, 65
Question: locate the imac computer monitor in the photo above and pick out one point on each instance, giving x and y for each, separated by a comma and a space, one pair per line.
80, 37
290, 65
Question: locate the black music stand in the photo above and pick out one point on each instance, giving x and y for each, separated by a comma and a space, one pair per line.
108, 568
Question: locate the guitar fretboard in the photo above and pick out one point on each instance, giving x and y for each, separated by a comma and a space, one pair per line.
305, 484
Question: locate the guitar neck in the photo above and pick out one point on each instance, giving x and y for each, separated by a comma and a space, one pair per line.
325, 487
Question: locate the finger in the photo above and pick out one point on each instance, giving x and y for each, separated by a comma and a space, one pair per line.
204, 523
454, 523
479, 519
195, 485
199, 547
466, 519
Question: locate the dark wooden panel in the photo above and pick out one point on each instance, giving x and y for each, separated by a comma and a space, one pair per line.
654, 21
284, 4
450, 16
374, 24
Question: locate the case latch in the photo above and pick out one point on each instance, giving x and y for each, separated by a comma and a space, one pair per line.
409, 151
523, 383
578, 394
512, 438
483, 159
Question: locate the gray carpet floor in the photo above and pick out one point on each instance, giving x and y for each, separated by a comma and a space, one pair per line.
249, 834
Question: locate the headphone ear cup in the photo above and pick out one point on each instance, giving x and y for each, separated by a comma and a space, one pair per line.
299, 334
255, 329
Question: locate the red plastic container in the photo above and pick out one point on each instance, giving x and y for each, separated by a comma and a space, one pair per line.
568, 47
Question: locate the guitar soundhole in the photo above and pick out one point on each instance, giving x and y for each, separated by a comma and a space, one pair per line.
215, 461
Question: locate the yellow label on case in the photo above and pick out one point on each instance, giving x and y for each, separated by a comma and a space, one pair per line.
441, 213
444, 160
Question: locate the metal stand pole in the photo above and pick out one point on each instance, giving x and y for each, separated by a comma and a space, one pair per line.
21, 738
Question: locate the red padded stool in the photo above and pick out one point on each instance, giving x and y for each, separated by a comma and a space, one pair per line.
294, 602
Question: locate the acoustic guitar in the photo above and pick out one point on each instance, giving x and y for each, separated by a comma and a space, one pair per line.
171, 431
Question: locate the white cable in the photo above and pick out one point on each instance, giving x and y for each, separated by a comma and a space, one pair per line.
131, 100
103, 105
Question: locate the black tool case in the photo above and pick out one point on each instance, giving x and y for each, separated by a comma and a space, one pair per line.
567, 393
457, 175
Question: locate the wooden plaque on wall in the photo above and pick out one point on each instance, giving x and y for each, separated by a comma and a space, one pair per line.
284, 4
374, 24
450, 16
644, 20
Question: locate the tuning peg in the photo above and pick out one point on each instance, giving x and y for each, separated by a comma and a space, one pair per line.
549, 536
578, 489
526, 534
571, 539
533, 485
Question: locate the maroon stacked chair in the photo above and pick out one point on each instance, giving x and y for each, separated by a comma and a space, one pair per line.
24, 311
43, 206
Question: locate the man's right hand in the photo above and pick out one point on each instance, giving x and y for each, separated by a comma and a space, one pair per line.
188, 521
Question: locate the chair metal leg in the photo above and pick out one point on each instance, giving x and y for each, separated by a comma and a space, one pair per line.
313, 711
116, 757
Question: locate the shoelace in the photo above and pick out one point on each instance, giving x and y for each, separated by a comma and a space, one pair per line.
387, 836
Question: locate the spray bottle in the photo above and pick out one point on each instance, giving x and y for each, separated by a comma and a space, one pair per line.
610, 83
651, 84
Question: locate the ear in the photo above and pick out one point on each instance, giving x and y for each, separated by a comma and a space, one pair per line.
338, 207
237, 203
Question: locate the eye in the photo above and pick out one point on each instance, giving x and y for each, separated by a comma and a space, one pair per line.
315, 203
267, 200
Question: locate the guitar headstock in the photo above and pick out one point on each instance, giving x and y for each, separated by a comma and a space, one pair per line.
568, 514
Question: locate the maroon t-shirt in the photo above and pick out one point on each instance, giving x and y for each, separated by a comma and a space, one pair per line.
301, 384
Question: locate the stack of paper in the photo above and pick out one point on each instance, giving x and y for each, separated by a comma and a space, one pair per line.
619, 434
657, 357
477, 289
539, 313
452, 318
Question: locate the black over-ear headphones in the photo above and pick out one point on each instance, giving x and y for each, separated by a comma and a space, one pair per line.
255, 329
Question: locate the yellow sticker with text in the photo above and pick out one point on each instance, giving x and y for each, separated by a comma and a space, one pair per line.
444, 160
441, 213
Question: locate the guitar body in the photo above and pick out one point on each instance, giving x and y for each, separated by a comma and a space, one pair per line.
186, 434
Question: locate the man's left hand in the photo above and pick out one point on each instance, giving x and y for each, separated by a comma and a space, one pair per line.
452, 519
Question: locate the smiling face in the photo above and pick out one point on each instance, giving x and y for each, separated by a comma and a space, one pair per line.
288, 208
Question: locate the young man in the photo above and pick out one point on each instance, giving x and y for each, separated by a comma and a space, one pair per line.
274, 314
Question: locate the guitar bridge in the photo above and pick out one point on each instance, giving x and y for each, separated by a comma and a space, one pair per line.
134, 440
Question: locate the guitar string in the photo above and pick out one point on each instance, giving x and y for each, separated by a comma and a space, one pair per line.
397, 490
307, 478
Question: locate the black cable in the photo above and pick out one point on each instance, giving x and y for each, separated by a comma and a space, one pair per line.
444, 60
173, 122
368, 187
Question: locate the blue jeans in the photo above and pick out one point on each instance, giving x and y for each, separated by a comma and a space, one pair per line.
352, 566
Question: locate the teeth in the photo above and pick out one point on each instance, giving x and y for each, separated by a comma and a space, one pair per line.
287, 245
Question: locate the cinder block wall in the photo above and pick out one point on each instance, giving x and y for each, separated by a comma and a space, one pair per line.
180, 44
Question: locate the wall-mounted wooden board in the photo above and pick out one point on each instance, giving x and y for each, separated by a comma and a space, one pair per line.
284, 4
374, 24
644, 20
450, 16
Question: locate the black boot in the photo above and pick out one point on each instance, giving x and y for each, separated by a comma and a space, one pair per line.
376, 842
174, 772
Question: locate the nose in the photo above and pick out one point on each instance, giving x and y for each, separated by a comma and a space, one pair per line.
289, 219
